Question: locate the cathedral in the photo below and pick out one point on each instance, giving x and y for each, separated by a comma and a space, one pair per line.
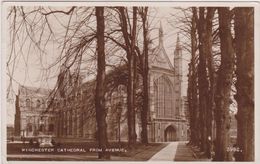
72, 116
168, 122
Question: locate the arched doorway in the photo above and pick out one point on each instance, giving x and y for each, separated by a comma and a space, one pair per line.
170, 134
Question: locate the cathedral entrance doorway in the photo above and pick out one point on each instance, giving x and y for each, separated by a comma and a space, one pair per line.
170, 134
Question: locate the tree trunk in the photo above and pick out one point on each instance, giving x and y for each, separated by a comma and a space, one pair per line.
100, 87
192, 85
130, 40
244, 41
190, 106
135, 82
145, 74
223, 88
17, 124
202, 79
130, 103
211, 72
132, 82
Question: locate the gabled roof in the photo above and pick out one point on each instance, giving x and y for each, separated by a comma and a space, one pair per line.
33, 91
160, 58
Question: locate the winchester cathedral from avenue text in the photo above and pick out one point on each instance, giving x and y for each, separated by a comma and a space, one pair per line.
68, 113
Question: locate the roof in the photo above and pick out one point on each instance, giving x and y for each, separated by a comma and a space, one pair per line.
35, 91
159, 57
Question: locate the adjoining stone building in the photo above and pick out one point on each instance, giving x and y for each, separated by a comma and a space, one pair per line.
31, 116
72, 114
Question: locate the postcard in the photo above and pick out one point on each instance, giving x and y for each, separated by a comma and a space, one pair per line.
129, 81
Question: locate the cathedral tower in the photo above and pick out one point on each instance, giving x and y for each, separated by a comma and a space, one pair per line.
160, 35
178, 74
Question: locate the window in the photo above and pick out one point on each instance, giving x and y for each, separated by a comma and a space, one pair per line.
28, 103
178, 106
177, 110
29, 126
168, 99
38, 103
163, 97
156, 92
51, 127
41, 128
70, 123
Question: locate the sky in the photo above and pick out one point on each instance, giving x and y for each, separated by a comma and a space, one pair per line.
30, 64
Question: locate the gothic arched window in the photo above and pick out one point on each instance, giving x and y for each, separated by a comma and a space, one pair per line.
28, 103
163, 97
156, 102
51, 127
41, 128
29, 126
38, 103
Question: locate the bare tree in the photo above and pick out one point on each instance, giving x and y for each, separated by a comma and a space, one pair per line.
100, 86
202, 78
130, 42
223, 87
192, 83
211, 74
143, 60
244, 44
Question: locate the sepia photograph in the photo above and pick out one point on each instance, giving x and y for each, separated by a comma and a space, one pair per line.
128, 82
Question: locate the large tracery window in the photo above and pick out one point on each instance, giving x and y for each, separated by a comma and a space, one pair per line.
163, 97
